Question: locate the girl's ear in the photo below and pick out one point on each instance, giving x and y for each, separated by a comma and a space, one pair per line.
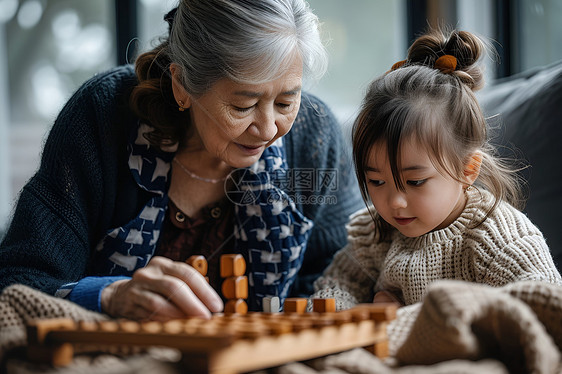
180, 94
472, 167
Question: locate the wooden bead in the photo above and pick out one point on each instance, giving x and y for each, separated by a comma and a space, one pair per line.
237, 306
232, 265
235, 288
153, 327
88, 325
199, 263
129, 326
109, 326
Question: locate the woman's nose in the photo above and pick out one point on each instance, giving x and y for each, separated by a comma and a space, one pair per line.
264, 126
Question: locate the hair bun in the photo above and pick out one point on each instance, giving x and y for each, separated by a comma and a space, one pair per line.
465, 46
455, 53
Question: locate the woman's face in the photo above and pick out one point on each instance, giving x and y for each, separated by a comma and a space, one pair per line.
235, 122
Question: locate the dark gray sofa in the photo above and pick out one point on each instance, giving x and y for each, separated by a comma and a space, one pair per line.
526, 122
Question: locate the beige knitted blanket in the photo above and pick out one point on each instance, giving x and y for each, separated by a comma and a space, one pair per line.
458, 328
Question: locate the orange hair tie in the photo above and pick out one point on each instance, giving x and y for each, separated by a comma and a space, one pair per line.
398, 64
446, 63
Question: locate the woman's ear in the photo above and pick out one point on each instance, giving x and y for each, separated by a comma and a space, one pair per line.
472, 167
180, 94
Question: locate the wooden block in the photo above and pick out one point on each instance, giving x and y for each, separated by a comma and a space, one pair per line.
199, 263
237, 306
379, 311
324, 319
324, 305
37, 330
342, 317
279, 327
301, 325
379, 349
232, 265
383, 312
235, 287
295, 305
359, 314
271, 304
56, 354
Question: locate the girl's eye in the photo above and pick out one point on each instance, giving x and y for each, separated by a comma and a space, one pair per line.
376, 182
416, 183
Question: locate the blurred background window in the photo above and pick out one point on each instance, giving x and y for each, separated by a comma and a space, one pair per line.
363, 41
49, 47
537, 30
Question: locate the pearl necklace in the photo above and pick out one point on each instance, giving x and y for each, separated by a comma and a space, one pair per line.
195, 176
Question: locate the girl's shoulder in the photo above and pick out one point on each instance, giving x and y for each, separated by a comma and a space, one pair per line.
505, 220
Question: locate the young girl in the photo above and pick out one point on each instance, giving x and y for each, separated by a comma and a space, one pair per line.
442, 203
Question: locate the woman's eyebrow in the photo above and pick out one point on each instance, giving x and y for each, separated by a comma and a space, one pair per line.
251, 94
254, 94
294, 91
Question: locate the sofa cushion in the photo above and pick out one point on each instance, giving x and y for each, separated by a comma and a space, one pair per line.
525, 115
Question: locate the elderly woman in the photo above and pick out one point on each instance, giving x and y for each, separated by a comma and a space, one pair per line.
190, 154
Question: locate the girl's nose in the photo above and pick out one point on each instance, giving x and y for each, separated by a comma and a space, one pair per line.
397, 200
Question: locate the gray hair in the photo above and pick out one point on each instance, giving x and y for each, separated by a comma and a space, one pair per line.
246, 41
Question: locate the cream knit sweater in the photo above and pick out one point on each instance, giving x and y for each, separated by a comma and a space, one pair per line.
505, 248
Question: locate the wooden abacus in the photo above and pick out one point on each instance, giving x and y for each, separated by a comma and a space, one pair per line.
230, 342
226, 343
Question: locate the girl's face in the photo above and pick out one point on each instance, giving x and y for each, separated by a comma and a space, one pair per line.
431, 200
235, 122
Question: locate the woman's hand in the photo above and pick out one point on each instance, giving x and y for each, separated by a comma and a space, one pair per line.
162, 290
385, 296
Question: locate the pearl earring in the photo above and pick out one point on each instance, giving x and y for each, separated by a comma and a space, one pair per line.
181, 108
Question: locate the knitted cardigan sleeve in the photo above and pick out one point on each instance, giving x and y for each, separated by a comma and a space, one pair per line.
317, 148
352, 275
67, 204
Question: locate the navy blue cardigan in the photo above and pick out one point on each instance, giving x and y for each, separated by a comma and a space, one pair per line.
84, 186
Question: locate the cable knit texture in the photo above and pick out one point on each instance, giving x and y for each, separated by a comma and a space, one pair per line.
505, 248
